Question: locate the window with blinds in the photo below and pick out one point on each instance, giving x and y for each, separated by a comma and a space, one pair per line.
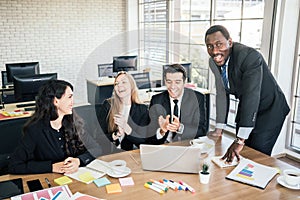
172, 31
294, 139
153, 20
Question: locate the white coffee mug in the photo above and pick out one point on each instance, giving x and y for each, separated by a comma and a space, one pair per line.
197, 143
291, 176
118, 166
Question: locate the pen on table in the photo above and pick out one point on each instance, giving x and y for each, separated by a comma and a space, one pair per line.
48, 182
179, 186
159, 183
171, 185
164, 188
154, 188
192, 190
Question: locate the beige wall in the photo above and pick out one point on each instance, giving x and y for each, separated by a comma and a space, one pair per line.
60, 34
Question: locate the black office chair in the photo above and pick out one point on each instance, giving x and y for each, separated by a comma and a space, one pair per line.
142, 80
4, 78
95, 141
8, 95
10, 136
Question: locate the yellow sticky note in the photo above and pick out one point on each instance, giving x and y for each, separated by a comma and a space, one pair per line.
86, 177
64, 180
113, 188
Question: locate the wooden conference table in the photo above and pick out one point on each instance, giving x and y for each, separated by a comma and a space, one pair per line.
217, 188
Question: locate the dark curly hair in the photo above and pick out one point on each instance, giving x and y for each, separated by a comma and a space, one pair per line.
45, 111
216, 28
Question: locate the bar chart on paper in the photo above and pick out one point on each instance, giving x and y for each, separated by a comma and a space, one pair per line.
247, 172
252, 173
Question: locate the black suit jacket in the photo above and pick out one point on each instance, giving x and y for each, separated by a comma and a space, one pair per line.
39, 149
261, 101
138, 121
192, 115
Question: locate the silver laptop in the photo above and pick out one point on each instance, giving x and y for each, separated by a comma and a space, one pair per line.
184, 159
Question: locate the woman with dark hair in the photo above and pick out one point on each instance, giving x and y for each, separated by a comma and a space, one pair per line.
126, 118
52, 136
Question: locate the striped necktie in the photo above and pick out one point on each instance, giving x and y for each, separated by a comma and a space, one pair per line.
224, 76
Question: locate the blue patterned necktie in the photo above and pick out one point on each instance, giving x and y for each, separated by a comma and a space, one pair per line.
224, 76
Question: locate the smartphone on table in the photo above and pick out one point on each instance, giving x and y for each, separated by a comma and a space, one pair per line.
34, 185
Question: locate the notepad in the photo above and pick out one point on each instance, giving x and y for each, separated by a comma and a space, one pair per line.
86, 177
126, 181
102, 182
222, 163
113, 188
64, 180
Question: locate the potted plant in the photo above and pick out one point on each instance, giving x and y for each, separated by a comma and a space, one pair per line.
204, 173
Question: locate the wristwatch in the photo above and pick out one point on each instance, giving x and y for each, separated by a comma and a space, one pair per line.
239, 141
180, 129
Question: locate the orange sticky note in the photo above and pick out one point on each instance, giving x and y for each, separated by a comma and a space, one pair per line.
113, 188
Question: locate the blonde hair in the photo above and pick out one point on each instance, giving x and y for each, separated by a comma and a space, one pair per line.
116, 104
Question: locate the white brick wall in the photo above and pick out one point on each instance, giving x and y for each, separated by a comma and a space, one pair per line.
61, 35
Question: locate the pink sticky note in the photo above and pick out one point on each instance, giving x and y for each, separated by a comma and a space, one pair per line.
126, 181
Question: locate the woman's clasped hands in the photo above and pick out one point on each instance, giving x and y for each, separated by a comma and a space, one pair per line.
68, 166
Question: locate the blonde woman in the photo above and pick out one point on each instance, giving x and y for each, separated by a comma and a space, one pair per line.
126, 118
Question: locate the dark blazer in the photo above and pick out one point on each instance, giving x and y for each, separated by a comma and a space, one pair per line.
192, 115
39, 149
261, 101
138, 121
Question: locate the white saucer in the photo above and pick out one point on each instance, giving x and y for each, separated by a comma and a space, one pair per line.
281, 181
208, 144
126, 172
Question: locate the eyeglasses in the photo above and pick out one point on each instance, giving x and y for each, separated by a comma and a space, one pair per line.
218, 45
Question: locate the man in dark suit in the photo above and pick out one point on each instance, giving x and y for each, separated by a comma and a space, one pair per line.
242, 71
178, 113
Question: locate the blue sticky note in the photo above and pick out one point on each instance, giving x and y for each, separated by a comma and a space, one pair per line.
102, 182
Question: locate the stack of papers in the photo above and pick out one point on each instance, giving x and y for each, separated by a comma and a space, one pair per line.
86, 175
252, 173
54, 193
96, 169
57, 193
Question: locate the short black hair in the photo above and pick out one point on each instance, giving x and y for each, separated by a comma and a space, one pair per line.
217, 28
174, 68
